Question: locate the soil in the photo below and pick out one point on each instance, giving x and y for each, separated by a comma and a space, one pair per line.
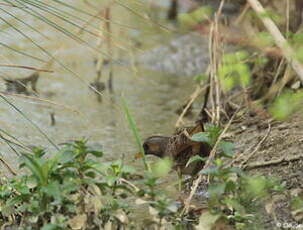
274, 150
277, 152
278, 156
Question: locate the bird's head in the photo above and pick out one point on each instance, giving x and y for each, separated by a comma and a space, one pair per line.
155, 145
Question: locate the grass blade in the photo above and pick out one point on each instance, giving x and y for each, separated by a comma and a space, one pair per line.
135, 131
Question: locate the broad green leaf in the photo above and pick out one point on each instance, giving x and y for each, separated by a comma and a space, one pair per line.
96, 153
286, 104
186, 20
35, 167
200, 77
257, 186
207, 221
227, 148
162, 167
216, 189
210, 171
196, 158
200, 137
128, 169
50, 227
264, 39
201, 14
53, 189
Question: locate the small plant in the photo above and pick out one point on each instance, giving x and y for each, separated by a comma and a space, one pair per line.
235, 197
67, 189
73, 189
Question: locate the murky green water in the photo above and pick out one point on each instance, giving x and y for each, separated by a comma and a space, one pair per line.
152, 96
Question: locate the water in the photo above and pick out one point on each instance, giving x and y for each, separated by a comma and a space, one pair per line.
152, 96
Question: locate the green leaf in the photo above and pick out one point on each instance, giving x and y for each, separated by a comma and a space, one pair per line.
38, 152
162, 167
286, 104
227, 148
257, 186
67, 156
128, 169
53, 189
214, 132
196, 158
200, 137
201, 13
210, 171
90, 174
217, 189
207, 221
200, 77
135, 131
186, 20
234, 204
34, 166
50, 227
96, 153
110, 180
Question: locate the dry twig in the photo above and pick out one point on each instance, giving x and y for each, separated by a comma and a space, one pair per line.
256, 148
274, 162
26, 67
192, 97
207, 164
280, 41
12, 171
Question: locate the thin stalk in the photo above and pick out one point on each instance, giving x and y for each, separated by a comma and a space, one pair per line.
22, 53
135, 132
30, 121
51, 56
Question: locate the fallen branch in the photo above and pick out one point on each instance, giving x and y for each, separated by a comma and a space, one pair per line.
274, 162
256, 148
280, 41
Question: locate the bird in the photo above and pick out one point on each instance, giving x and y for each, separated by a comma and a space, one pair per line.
180, 148
172, 13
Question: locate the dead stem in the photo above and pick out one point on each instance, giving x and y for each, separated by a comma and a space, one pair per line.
11, 170
207, 164
280, 41
243, 163
192, 98
274, 162
26, 67
109, 47
43, 100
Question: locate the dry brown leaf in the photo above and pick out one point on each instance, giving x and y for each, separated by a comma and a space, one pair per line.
77, 222
121, 216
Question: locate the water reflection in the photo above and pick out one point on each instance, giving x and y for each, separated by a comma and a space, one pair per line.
152, 96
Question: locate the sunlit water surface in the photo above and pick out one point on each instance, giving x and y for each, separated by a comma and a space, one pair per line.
152, 96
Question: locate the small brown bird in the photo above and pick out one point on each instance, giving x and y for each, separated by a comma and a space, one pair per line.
172, 13
180, 148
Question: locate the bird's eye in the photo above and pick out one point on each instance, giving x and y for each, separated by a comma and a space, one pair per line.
145, 147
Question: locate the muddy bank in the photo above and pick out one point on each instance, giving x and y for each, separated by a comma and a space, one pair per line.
275, 151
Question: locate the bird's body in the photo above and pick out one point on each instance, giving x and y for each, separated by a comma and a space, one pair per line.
180, 148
